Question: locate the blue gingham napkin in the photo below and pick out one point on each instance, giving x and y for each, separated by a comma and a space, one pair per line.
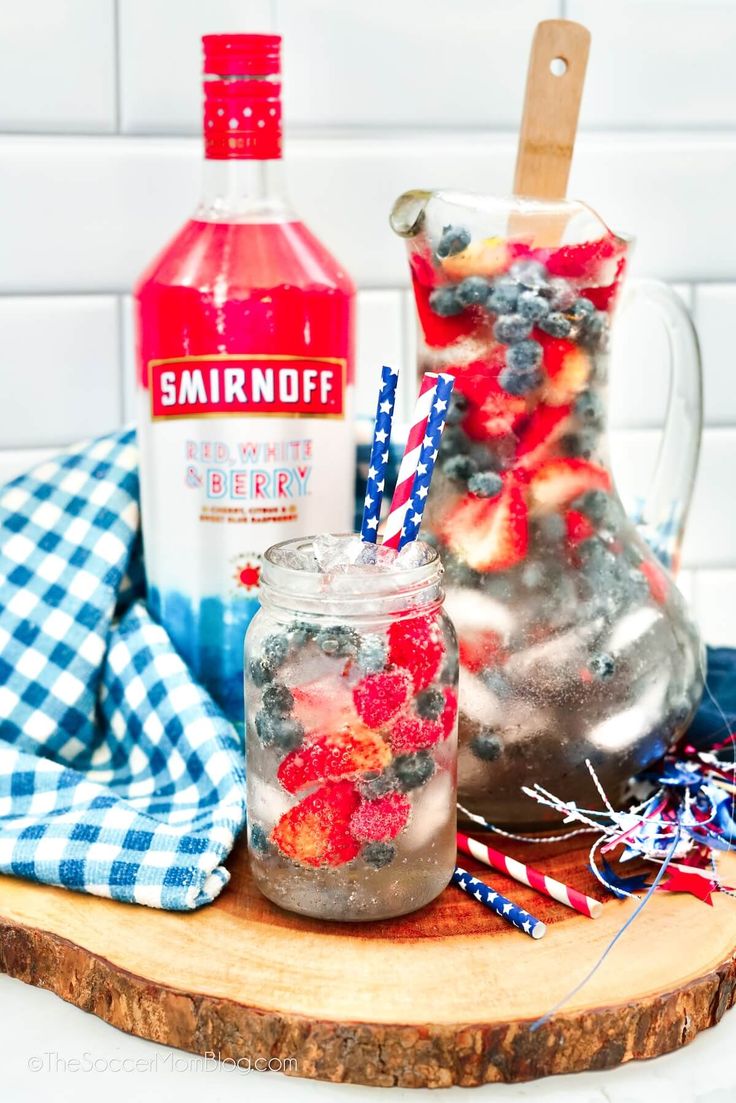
119, 776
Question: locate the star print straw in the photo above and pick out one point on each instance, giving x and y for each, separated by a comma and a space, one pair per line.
504, 908
427, 458
379, 455
534, 878
421, 436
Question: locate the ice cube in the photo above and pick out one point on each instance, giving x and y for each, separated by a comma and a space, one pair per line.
631, 628
476, 700
266, 803
433, 806
335, 553
471, 611
413, 554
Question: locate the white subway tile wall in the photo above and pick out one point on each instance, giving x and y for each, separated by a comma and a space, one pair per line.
99, 163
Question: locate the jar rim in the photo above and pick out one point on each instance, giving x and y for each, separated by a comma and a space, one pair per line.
282, 582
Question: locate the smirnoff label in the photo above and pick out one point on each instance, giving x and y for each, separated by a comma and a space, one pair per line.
256, 386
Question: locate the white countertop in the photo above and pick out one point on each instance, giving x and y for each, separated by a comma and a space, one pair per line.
41, 1038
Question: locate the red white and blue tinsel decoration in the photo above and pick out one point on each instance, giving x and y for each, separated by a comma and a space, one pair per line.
683, 810
682, 813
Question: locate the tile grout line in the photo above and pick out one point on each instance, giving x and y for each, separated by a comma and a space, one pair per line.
121, 344
117, 65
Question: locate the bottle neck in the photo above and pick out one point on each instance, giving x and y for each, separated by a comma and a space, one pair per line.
243, 190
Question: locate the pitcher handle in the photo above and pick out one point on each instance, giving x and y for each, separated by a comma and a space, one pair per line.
661, 515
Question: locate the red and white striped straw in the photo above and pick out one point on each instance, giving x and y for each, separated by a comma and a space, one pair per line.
535, 879
409, 461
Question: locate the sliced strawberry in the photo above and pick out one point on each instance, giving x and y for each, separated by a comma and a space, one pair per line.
568, 370
581, 261
497, 415
479, 649
545, 426
378, 697
416, 645
658, 582
316, 832
423, 270
335, 755
449, 712
489, 534
440, 332
578, 526
555, 483
480, 258
604, 298
413, 733
479, 378
380, 820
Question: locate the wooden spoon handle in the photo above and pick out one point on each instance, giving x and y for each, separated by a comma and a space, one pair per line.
551, 108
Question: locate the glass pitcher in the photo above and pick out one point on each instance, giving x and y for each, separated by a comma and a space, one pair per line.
574, 642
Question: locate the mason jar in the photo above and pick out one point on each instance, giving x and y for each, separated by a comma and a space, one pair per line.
351, 706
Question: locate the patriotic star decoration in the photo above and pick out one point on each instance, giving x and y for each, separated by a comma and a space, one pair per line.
681, 880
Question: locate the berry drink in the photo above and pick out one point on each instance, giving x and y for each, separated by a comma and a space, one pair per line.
245, 357
574, 643
351, 702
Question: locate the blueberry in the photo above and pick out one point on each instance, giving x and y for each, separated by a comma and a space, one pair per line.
580, 309
444, 301
503, 297
524, 356
595, 504
261, 672
258, 839
551, 528
486, 484
275, 649
473, 291
533, 306
594, 554
595, 332
581, 444
430, 703
556, 324
560, 293
279, 731
453, 440
510, 328
457, 410
589, 409
459, 468
338, 640
300, 633
601, 665
413, 770
378, 855
519, 381
457, 572
533, 575
487, 745
277, 699
373, 786
496, 683
529, 273
372, 653
454, 239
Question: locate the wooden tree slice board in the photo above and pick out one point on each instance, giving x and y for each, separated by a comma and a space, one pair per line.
444, 996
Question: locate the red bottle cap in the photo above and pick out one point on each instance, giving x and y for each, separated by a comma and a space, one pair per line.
242, 55
242, 96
